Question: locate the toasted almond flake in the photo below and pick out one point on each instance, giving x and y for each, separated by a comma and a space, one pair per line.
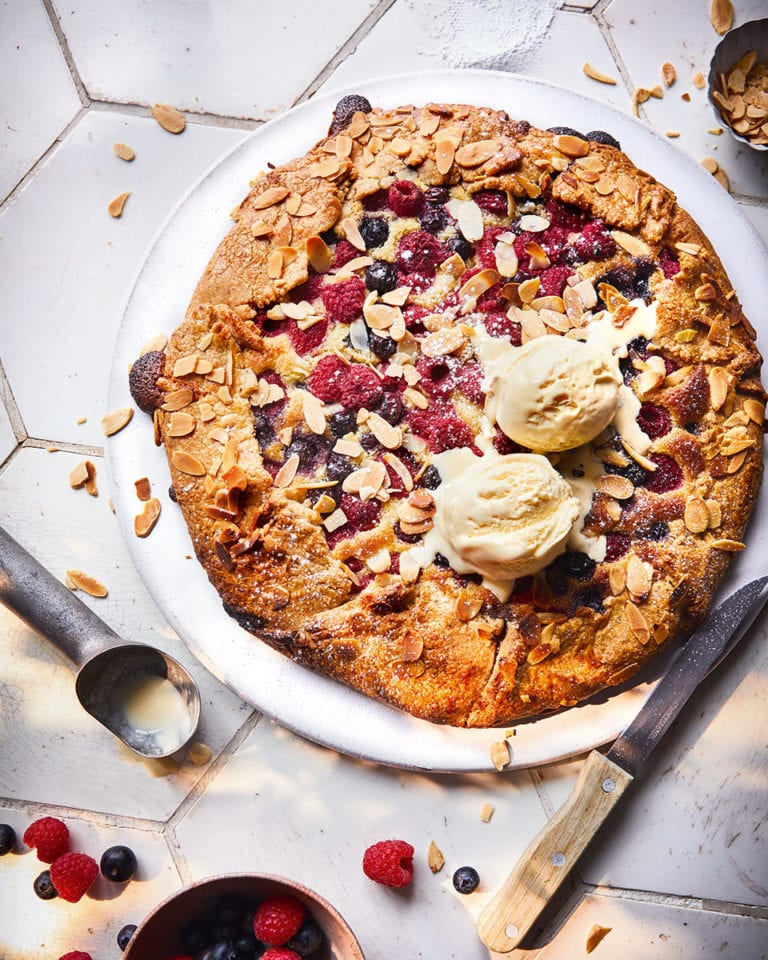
668, 74
476, 153
443, 342
755, 411
477, 285
187, 463
269, 197
637, 622
78, 475
286, 473
445, 152
124, 152
358, 125
721, 15
672, 134
470, 220
158, 342
499, 754
722, 178
349, 448
699, 80
203, 366
733, 446
605, 186
532, 223
528, 289
594, 74
467, 607
314, 417
417, 398
571, 146
412, 647
388, 436
335, 520
615, 486
486, 812
184, 366
715, 514
115, 208
409, 568
696, 515
352, 233
275, 265
506, 260
634, 245
595, 935
259, 228
143, 488
692, 249
617, 579
639, 576
116, 420
169, 118
688, 335
90, 482
318, 253
729, 546
177, 399
380, 562
705, 291
181, 424
86, 583
144, 522
719, 382
435, 858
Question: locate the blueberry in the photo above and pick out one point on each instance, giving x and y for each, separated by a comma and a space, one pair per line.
381, 276
441, 561
223, 950
43, 886
307, 939
247, 947
375, 231
262, 427
461, 246
437, 195
632, 471
124, 935
224, 929
306, 447
658, 530
230, 907
431, 478
466, 879
338, 466
343, 422
591, 597
195, 935
368, 442
382, 347
600, 136
7, 838
391, 408
172, 495
577, 565
565, 131
118, 864
433, 219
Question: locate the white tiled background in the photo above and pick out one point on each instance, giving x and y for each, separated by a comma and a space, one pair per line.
681, 869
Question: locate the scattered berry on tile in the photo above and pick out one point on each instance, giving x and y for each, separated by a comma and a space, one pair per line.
72, 874
389, 862
49, 836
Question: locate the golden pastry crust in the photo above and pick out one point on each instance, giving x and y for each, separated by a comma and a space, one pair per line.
441, 646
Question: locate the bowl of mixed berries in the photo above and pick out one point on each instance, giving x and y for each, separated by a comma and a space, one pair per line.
244, 917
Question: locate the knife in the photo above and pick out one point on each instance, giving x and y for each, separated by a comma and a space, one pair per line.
553, 852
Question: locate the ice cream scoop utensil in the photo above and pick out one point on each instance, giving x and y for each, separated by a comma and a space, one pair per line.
552, 854
116, 680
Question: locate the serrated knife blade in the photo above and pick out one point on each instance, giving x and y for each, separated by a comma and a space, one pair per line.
552, 854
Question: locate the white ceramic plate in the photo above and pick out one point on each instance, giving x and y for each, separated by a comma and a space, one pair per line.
312, 705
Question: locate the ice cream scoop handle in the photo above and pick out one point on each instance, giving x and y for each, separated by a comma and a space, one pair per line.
552, 854
36, 596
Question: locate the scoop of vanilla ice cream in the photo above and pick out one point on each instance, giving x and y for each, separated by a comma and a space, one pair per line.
504, 516
555, 393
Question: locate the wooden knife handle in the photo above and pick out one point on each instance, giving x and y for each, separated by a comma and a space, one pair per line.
552, 854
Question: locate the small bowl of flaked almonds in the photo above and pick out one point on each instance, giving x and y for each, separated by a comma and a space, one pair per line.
738, 83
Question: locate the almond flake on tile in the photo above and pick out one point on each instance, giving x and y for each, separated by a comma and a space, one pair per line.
435, 858
169, 118
721, 15
86, 583
668, 73
595, 74
78, 475
115, 208
116, 420
143, 488
595, 935
124, 152
699, 80
499, 754
144, 522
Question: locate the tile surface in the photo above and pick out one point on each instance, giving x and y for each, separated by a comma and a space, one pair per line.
37, 95
7, 435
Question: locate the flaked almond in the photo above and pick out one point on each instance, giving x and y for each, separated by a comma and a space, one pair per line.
78, 475
486, 812
352, 233
389, 436
594, 74
143, 488
445, 152
617, 579
719, 382
639, 576
477, 285
116, 420
755, 411
186, 365
696, 515
467, 607
668, 73
269, 197
721, 15
86, 583
499, 754
380, 562
187, 463
409, 568
615, 486
115, 208
169, 118
443, 342
476, 153
318, 253
381, 316
470, 220
400, 469
637, 623
367, 481
285, 475
710, 164
715, 514
595, 935
178, 399
634, 245
532, 223
181, 424
314, 416
571, 146
435, 858
729, 546
411, 647
144, 522
123, 151
335, 520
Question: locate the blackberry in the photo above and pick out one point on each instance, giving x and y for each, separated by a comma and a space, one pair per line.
43, 886
461, 246
375, 231
343, 422
381, 276
307, 940
431, 478
632, 471
118, 864
338, 466
391, 408
406, 537
124, 934
600, 136
466, 880
565, 131
172, 494
382, 347
433, 219
437, 195
7, 838
345, 109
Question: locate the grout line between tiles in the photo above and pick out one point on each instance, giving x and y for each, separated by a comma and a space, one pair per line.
96, 817
11, 407
538, 784
345, 50
66, 52
62, 446
133, 109
728, 907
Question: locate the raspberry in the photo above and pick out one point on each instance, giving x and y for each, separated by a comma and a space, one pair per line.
405, 198
270, 328
469, 379
441, 427
552, 281
420, 252
75, 955
376, 201
485, 250
278, 919
72, 874
413, 314
503, 444
437, 375
554, 242
343, 252
361, 514
280, 953
670, 265
564, 215
343, 301
310, 290
499, 325
667, 475
360, 387
49, 836
595, 242
389, 862
492, 201
305, 341
616, 545
326, 378
654, 421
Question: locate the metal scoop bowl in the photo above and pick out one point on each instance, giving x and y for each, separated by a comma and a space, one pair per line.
143, 696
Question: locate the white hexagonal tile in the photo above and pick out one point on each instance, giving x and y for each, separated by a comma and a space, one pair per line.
37, 95
230, 58
61, 287
683, 35
759, 217
283, 805
67, 529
